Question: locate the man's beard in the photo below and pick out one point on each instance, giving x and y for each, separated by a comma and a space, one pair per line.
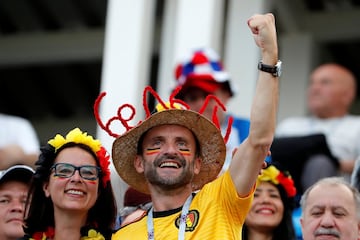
170, 183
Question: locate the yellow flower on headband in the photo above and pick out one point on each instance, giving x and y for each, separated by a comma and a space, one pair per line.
269, 175
76, 136
275, 176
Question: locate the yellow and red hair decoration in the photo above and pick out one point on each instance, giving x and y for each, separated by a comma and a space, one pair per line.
275, 176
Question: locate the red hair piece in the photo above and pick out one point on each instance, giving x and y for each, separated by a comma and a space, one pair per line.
172, 101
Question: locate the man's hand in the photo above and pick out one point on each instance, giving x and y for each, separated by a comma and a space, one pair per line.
264, 31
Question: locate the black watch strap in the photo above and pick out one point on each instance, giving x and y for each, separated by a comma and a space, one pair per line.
275, 70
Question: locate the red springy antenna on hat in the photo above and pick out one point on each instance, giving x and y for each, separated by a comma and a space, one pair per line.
170, 105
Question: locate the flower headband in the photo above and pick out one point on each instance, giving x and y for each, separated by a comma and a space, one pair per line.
77, 136
275, 176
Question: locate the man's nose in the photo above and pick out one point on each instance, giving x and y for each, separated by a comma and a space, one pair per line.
171, 149
17, 205
327, 220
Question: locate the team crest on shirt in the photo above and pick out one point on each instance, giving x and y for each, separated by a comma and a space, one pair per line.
192, 220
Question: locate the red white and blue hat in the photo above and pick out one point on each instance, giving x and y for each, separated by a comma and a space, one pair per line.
202, 68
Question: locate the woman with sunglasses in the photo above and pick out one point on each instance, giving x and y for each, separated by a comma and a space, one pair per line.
71, 195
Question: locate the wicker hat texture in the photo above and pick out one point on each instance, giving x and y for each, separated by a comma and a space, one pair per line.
202, 68
124, 150
20, 173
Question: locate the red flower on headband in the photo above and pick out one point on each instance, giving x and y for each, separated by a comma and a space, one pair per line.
287, 183
104, 164
277, 177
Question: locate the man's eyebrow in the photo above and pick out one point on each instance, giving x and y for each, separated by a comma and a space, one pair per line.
317, 207
337, 207
181, 138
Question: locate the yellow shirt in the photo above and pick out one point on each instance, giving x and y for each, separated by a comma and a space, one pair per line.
216, 212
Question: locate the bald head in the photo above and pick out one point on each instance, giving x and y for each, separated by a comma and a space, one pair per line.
331, 91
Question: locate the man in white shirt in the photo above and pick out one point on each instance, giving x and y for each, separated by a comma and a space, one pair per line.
331, 91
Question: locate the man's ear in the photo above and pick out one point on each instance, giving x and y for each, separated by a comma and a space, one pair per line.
138, 164
302, 224
197, 165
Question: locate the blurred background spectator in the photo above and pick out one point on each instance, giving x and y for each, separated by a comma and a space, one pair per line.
19, 142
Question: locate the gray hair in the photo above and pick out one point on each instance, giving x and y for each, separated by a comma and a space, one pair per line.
334, 181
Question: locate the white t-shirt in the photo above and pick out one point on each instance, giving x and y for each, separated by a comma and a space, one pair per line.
17, 130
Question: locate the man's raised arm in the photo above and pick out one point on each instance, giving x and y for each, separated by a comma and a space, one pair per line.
249, 157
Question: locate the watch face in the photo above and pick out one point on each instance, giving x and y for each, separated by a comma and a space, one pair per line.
278, 69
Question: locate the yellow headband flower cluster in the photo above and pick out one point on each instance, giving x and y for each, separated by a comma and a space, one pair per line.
275, 176
77, 136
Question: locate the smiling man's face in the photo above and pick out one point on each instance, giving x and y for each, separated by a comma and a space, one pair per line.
169, 156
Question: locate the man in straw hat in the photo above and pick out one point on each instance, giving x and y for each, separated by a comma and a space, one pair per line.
176, 154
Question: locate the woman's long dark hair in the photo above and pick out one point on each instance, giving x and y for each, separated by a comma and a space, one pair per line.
39, 211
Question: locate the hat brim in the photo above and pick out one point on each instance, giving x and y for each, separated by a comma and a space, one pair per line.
21, 173
212, 147
204, 82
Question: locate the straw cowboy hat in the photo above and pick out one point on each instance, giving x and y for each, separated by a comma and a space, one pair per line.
211, 141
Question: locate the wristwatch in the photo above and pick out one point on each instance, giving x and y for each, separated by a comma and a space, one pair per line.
275, 70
